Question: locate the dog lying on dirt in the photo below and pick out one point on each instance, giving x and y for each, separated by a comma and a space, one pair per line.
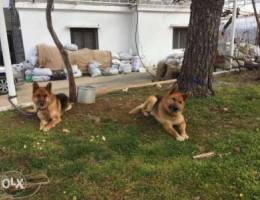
168, 111
48, 106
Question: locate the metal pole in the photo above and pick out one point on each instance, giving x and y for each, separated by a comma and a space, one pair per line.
6, 56
233, 31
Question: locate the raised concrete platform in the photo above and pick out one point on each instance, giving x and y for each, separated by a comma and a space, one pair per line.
103, 84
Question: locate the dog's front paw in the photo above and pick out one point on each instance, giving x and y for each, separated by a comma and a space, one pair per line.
42, 127
146, 114
45, 129
185, 136
180, 138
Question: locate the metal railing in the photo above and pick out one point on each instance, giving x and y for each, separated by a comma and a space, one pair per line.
123, 2
229, 3
118, 2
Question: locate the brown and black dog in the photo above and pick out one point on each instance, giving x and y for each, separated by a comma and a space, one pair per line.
168, 111
48, 106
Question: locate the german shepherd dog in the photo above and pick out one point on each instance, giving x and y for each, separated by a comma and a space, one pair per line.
48, 106
168, 111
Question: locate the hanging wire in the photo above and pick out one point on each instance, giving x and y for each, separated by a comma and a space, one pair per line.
136, 42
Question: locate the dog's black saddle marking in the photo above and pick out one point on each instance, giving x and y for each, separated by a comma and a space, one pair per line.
64, 100
155, 107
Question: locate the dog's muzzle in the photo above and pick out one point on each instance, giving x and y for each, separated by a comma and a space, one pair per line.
173, 108
41, 105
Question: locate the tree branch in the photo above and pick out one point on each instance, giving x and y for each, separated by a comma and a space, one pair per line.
63, 52
257, 21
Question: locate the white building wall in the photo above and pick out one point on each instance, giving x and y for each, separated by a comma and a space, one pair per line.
156, 33
5, 3
116, 27
114, 32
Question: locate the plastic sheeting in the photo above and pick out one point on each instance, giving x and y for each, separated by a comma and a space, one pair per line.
246, 29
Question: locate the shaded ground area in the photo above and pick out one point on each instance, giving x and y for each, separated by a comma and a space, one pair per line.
104, 83
108, 154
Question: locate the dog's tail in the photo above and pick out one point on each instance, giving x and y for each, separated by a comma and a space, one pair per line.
136, 109
64, 100
69, 106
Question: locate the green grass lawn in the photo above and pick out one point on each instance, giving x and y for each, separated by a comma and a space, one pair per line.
108, 154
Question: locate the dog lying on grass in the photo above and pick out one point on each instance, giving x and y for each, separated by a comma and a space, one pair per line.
48, 106
168, 111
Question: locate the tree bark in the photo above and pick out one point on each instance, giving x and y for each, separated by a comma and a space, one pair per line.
63, 52
197, 68
257, 22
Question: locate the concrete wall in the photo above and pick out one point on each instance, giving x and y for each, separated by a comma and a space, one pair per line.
116, 27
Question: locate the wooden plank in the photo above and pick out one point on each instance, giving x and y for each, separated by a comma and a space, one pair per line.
134, 86
204, 155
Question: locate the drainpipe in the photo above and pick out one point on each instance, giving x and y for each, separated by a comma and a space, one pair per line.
6, 56
233, 31
16, 34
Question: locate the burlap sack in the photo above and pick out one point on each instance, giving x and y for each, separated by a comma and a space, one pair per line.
81, 58
172, 72
167, 69
49, 57
103, 57
161, 70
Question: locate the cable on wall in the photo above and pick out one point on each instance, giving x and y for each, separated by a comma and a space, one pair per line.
136, 42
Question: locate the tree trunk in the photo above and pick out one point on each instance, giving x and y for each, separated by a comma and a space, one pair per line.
257, 22
197, 68
63, 52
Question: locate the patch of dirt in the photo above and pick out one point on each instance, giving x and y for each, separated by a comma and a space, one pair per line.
239, 77
107, 108
250, 76
16, 120
4, 153
116, 106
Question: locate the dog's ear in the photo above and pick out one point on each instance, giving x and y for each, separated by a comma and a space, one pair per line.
174, 89
186, 95
35, 86
48, 87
